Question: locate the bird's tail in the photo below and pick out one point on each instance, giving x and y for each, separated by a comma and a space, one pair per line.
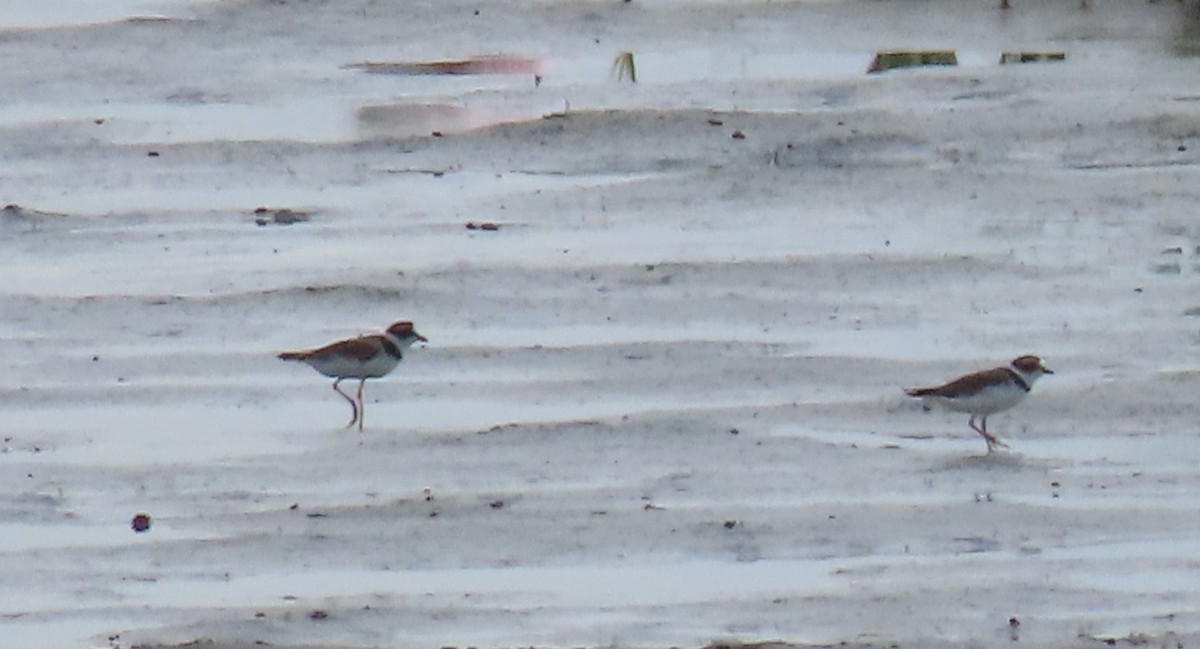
293, 356
912, 392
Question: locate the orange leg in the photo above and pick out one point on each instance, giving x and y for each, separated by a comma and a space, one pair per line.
362, 407
992, 442
353, 404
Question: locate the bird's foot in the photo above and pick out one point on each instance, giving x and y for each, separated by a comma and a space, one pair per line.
993, 443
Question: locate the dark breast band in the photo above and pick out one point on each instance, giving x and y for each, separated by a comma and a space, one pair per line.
394, 351
1018, 378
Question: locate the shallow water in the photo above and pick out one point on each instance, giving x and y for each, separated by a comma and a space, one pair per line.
662, 402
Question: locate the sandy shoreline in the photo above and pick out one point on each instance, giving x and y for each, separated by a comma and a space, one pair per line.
661, 403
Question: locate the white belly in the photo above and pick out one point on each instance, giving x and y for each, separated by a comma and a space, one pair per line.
347, 368
984, 402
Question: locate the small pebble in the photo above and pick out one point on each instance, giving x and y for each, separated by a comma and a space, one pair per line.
140, 523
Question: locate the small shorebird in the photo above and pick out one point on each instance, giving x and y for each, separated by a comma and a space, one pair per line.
987, 392
362, 358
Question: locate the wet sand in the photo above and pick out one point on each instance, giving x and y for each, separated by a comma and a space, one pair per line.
661, 404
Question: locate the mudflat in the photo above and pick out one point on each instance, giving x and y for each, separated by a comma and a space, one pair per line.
670, 322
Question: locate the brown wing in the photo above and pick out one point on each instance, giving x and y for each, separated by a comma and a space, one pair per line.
963, 385
361, 349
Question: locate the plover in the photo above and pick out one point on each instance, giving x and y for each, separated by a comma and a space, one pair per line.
362, 358
987, 392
